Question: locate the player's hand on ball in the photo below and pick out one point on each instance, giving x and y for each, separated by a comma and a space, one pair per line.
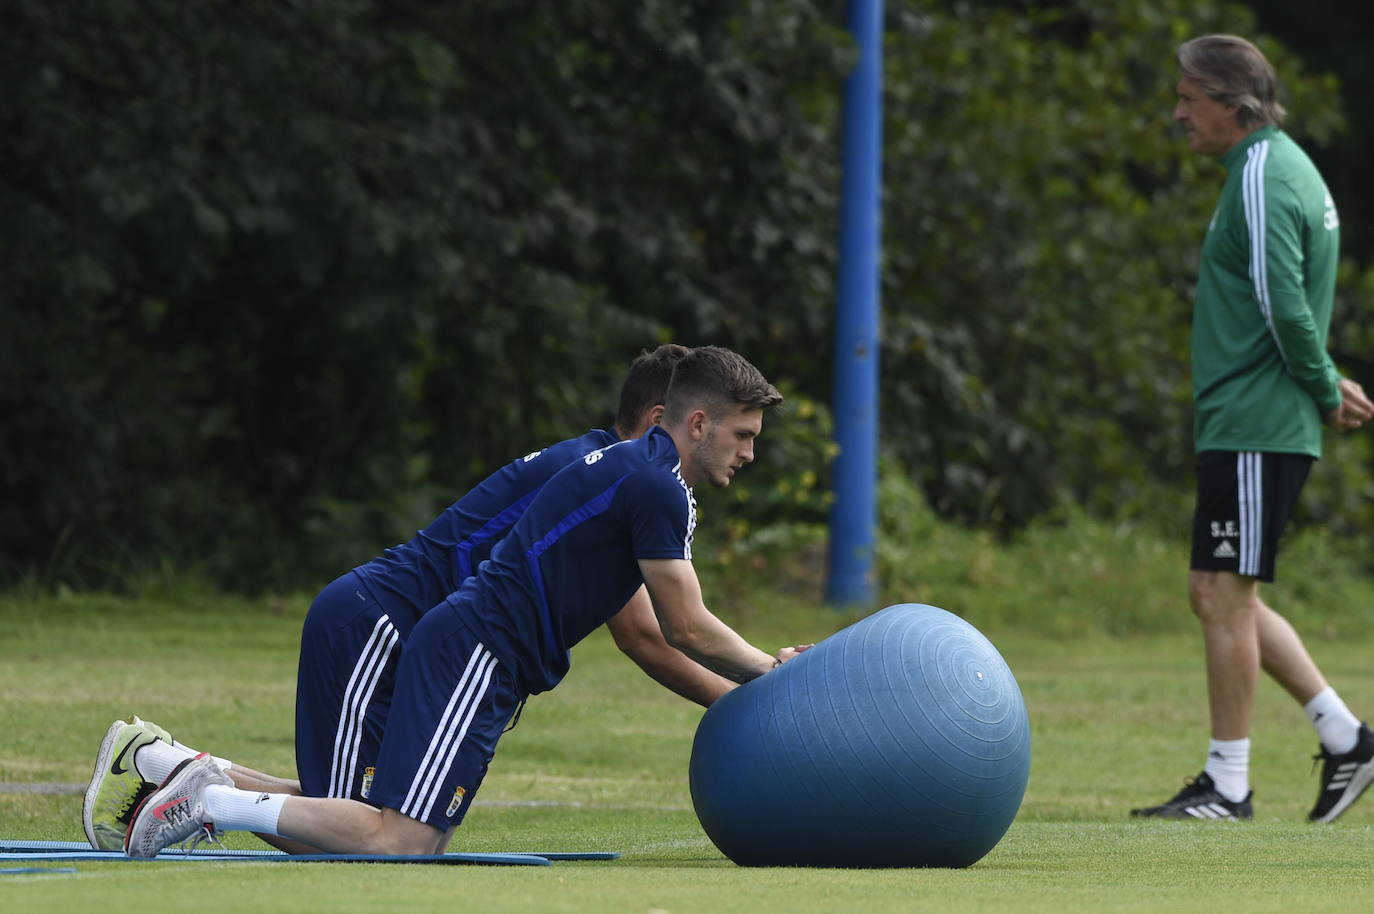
788, 653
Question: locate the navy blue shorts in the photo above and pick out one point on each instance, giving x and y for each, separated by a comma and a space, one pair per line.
453, 700
350, 650
1244, 500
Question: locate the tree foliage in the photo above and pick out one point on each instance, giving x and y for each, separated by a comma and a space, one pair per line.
282, 278
275, 269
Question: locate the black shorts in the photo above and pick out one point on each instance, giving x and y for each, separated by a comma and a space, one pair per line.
1244, 500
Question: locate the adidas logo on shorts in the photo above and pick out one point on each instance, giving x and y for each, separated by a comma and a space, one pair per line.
1224, 551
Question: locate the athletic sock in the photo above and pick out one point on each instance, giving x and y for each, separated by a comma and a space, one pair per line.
223, 764
1228, 764
157, 759
1337, 728
232, 809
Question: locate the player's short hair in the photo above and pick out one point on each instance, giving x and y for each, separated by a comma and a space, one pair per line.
719, 381
1233, 71
646, 386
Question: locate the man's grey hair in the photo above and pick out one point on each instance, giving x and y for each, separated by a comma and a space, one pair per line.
1233, 71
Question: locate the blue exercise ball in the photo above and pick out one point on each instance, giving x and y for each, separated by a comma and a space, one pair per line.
900, 741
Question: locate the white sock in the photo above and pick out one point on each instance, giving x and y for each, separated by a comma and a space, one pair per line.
1337, 728
1228, 764
232, 809
157, 759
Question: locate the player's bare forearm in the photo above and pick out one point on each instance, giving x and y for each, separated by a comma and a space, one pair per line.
637, 633
691, 628
717, 647
682, 675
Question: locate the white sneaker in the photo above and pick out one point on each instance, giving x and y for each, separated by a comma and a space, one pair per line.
175, 812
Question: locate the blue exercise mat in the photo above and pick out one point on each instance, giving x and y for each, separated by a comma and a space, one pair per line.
34, 847
95, 856
79, 850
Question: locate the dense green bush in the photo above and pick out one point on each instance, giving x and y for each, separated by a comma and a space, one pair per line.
282, 279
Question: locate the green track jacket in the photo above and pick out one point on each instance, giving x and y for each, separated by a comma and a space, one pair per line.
1262, 379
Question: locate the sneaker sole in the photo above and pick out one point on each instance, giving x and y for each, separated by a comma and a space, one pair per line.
1364, 776
1203, 813
102, 762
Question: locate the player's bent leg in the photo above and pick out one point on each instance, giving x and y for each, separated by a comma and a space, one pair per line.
156, 759
446, 840
350, 649
286, 845
249, 779
340, 826
453, 700
198, 800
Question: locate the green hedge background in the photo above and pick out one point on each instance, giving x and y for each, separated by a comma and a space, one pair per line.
281, 278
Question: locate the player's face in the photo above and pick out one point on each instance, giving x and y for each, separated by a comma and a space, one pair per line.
726, 445
1210, 125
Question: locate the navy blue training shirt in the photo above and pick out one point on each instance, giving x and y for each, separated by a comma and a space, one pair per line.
571, 561
413, 577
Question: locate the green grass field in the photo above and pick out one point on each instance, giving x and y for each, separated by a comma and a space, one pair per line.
1117, 721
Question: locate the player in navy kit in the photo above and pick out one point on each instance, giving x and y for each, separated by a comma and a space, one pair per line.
619, 519
354, 633
352, 638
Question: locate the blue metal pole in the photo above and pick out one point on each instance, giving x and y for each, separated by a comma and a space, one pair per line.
853, 516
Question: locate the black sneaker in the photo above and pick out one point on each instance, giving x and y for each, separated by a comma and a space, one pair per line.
1344, 777
1199, 800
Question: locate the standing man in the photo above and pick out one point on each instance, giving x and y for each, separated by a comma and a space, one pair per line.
1262, 386
620, 518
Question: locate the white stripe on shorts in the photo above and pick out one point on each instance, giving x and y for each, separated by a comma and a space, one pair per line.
1250, 496
349, 733
448, 736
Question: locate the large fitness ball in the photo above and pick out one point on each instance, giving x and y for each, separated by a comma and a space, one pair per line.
900, 741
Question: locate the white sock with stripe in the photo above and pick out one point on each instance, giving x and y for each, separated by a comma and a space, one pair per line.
1337, 728
232, 809
157, 759
1228, 764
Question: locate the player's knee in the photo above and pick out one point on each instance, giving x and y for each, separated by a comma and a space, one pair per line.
404, 845
401, 835
1216, 597
1203, 595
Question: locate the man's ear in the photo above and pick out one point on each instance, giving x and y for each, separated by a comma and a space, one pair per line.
655, 415
697, 422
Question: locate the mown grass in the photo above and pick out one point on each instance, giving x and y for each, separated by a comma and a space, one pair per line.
1117, 710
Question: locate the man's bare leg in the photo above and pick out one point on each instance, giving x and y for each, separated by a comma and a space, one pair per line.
1228, 606
348, 827
1285, 657
251, 779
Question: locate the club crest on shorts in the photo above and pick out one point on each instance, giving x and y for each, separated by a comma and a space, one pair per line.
368, 774
457, 801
